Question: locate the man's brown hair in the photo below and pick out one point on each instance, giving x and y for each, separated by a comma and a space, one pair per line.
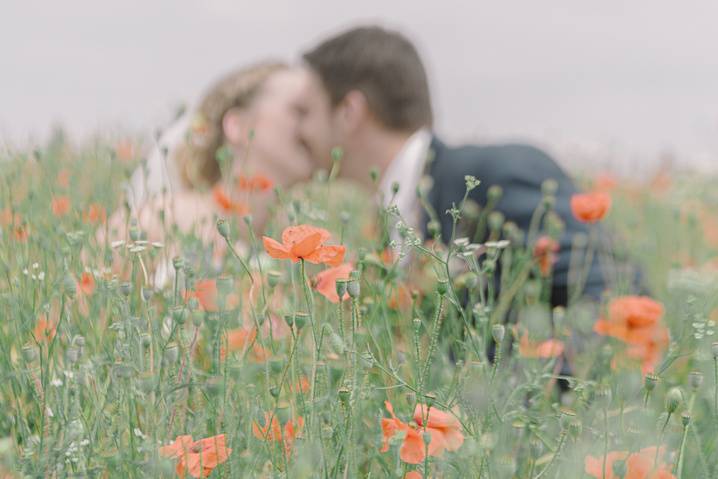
384, 66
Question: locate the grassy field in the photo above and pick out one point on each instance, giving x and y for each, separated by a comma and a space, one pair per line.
123, 355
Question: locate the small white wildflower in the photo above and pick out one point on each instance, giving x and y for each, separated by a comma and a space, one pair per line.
117, 244
41, 276
138, 433
69, 374
85, 442
49, 412
35, 265
25, 271
136, 249
56, 382
33, 277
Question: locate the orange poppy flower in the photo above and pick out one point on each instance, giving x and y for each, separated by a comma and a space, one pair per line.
590, 207
413, 475
44, 329
197, 458
301, 385
445, 431
305, 242
60, 205
254, 183
205, 290
240, 339
630, 318
326, 281
272, 430
86, 285
400, 297
639, 465
95, 213
650, 351
551, 348
545, 251
227, 204
21, 233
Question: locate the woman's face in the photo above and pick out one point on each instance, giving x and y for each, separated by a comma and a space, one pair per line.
276, 148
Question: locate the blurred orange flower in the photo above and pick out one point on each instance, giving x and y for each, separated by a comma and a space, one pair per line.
551, 348
636, 320
95, 213
254, 183
227, 204
60, 205
413, 475
240, 339
326, 281
444, 429
272, 430
545, 251
44, 329
305, 242
639, 465
205, 290
590, 207
86, 285
197, 458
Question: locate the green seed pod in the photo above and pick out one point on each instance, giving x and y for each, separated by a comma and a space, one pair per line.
674, 398
442, 287
145, 340
685, 418
223, 228
497, 332
471, 281
695, 379
273, 278
341, 286
179, 314
178, 263
651, 381
300, 320
353, 289
289, 319
29, 353
274, 391
276, 366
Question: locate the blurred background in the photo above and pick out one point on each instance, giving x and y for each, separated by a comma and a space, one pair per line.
612, 84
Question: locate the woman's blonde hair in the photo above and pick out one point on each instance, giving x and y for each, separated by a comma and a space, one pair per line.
196, 156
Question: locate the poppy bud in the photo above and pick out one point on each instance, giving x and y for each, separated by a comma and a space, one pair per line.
69, 285
274, 391
179, 314
300, 319
695, 379
178, 263
289, 319
29, 353
145, 340
276, 366
433, 227
223, 228
344, 395
126, 288
273, 278
674, 397
497, 332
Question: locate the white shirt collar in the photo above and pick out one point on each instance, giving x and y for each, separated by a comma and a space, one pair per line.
406, 170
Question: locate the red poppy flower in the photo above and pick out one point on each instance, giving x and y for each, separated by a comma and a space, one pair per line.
205, 290
86, 285
445, 431
545, 251
254, 183
326, 281
590, 207
44, 330
95, 213
551, 348
198, 458
305, 242
639, 465
227, 204
272, 430
60, 205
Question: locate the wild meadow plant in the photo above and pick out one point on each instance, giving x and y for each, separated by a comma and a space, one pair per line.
340, 344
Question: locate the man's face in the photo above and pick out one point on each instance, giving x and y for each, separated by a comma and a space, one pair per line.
317, 130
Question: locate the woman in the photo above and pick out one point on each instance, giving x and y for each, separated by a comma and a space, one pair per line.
222, 158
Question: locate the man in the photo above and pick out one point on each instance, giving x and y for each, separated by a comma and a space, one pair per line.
369, 95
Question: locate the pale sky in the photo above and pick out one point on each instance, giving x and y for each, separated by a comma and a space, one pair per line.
613, 80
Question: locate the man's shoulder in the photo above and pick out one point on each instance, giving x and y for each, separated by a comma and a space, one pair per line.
492, 154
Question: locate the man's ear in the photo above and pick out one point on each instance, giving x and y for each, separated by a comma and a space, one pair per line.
236, 126
354, 110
